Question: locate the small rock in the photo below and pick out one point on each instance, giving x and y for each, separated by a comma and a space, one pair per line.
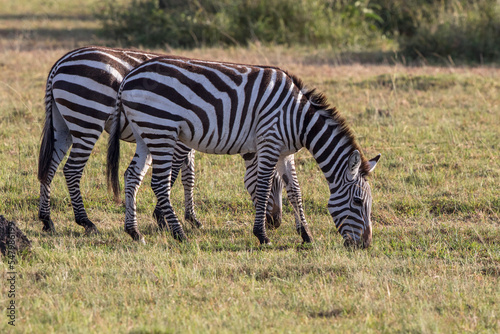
12, 239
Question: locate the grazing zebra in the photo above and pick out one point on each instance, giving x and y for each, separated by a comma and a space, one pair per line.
226, 108
80, 95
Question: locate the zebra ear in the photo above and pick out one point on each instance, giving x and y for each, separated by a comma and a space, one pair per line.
353, 164
373, 162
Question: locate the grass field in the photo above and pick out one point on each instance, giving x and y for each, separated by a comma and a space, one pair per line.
434, 265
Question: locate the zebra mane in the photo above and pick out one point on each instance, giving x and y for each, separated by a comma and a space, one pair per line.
321, 105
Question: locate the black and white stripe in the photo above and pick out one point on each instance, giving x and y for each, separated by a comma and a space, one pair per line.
226, 108
80, 96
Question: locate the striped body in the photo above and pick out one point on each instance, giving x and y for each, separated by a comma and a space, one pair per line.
80, 96
226, 108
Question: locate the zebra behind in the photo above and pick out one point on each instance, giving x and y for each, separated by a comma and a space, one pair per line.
226, 108
80, 96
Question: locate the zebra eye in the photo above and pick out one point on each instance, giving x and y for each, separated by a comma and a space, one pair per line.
358, 201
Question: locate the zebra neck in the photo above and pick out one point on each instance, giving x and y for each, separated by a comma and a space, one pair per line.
330, 146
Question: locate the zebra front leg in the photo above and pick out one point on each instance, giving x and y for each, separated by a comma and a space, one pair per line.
162, 170
133, 179
266, 164
286, 167
274, 203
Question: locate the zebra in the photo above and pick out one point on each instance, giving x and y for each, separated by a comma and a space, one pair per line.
228, 108
80, 95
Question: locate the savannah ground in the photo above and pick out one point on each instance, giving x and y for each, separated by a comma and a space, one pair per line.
434, 264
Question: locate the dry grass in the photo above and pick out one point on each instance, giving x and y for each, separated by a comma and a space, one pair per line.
434, 265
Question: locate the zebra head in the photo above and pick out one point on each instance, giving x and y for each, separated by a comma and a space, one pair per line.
351, 202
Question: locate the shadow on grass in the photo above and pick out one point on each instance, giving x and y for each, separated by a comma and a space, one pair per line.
492, 270
76, 232
349, 58
333, 313
219, 239
61, 35
252, 247
51, 17
64, 35
282, 273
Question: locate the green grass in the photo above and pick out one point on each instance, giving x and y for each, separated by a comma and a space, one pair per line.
434, 265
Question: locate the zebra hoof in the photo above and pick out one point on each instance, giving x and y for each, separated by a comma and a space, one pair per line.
305, 234
193, 221
180, 236
91, 230
196, 223
263, 239
136, 236
48, 226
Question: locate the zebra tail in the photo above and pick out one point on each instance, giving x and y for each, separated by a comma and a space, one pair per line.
113, 156
47, 145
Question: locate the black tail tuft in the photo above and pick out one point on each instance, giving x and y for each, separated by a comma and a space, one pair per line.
47, 146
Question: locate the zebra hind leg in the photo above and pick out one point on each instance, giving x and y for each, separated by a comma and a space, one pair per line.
266, 165
73, 169
44, 204
162, 169
158, 213
133, 179
286, 167
187, 178
274, 203
61, 144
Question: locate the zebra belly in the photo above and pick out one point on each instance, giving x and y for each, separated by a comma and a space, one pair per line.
210, 144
